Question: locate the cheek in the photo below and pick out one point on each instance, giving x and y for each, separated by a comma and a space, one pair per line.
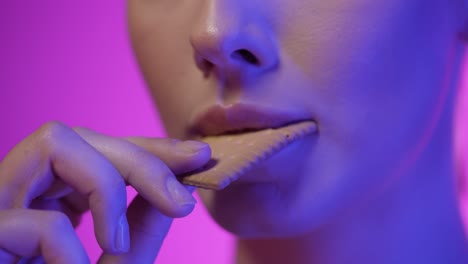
375, 103
165, 58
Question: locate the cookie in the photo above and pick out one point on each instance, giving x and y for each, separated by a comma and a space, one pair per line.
234, 154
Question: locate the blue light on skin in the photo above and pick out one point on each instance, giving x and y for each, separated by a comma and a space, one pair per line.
377, 184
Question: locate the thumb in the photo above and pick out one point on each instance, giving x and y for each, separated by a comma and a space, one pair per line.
148, 229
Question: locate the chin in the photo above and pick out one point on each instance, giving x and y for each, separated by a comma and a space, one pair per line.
266, 202
257, 210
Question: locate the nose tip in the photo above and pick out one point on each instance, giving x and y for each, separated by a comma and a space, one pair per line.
230, 49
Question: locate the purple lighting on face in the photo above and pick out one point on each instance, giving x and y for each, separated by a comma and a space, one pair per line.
71, 61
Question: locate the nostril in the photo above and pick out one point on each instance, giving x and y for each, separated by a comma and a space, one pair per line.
246, 56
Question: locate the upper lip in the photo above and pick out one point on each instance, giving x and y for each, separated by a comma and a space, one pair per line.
218, 119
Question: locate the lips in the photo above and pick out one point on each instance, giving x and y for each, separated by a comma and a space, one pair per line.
218, 119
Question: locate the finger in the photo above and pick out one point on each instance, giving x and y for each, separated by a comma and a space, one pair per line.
148, 228
29, 233
147, 173
58, 205
179, 156
56, 150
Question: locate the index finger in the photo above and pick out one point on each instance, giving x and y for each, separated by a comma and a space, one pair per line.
194, 154
148, 173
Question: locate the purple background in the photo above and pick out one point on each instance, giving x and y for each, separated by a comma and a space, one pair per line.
71, 61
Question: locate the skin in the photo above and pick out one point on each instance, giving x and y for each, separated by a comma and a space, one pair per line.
378, 76
380, 79
57, 173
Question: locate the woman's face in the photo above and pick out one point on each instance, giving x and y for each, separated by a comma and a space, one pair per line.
371, 73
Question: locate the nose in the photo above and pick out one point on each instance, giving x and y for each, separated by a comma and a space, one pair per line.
232, 41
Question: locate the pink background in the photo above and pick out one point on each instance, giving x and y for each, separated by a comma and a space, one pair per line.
71, 61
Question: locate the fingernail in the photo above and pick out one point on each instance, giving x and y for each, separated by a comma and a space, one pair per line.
192, 146
178, 192
122, 235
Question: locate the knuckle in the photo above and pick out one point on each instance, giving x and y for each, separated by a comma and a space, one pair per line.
141, 155
50, 133
81, 129
116, 183
57, 221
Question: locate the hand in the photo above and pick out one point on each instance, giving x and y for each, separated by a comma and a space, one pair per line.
64, 171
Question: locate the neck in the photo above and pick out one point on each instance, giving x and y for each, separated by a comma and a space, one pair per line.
416, 220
